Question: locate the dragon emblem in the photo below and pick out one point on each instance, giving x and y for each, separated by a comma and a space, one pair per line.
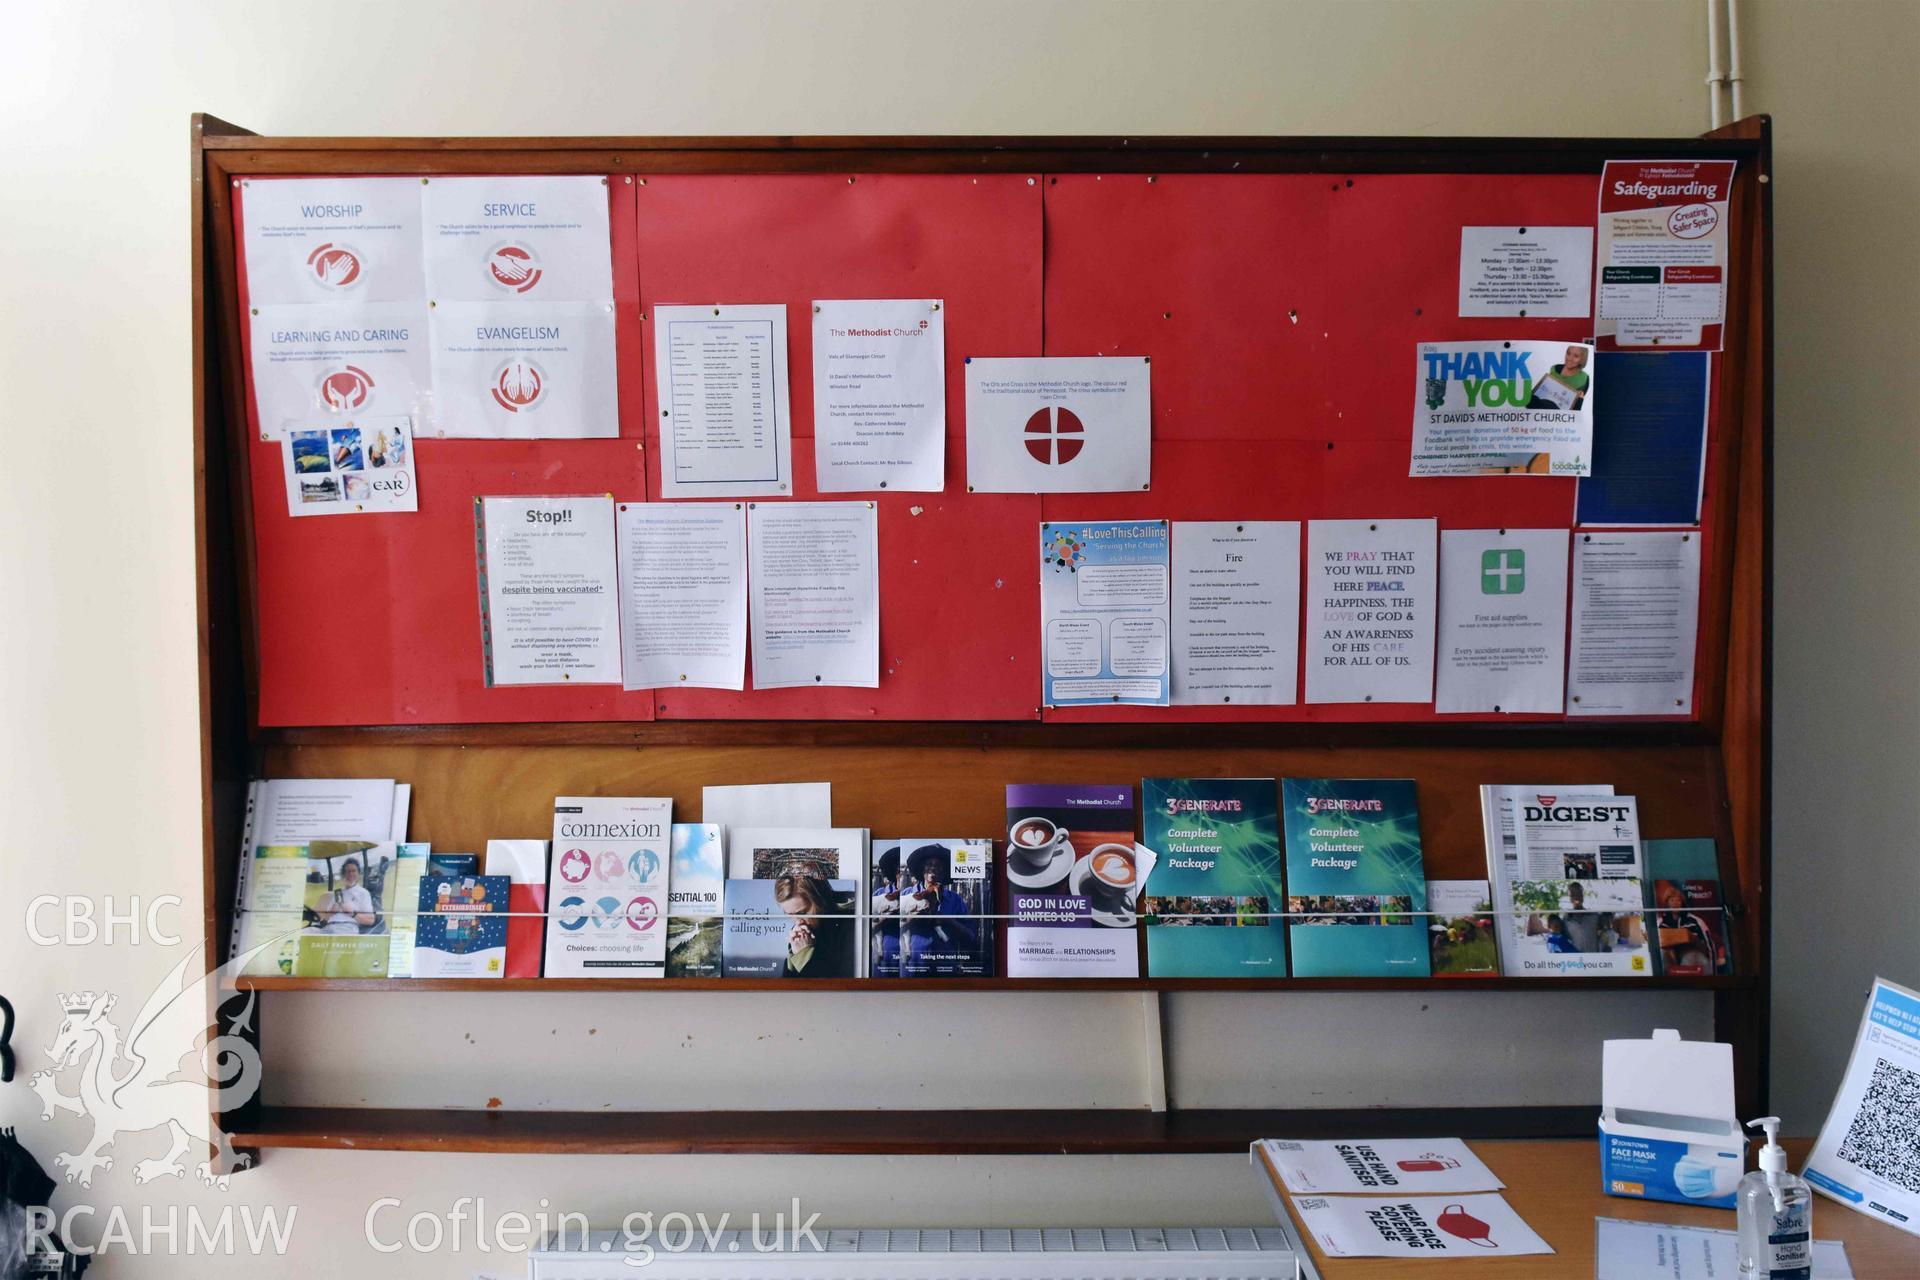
172, 1071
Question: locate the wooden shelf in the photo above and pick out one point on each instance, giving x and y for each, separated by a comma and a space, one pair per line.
875, 1133
1731, 982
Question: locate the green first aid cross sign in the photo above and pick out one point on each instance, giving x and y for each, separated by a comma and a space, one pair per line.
1503, 572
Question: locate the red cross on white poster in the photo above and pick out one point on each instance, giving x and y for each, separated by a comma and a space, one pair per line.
1072, 424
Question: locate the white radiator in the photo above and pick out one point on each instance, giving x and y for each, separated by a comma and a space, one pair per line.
1041, 1253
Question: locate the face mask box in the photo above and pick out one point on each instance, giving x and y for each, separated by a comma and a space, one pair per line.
1667, 1125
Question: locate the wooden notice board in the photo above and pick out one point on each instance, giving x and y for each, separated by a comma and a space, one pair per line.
1277, 285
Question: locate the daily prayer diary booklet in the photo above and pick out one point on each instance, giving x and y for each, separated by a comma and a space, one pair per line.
284, 812
346, 910
1356, 882
1215, 907
320, 909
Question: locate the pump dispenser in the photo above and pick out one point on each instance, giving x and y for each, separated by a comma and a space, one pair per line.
1775, 1210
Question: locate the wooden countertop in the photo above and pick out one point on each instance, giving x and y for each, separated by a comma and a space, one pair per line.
1555, 1186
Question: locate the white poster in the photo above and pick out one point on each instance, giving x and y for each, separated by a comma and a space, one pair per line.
1503, 620
1636, 615
768, 804
1395, 1166
332, 240
1663, 255
352, 467
1073, 424
879, 395
683, 595
1370, 610
1457, 1226
815, 587
316, 363
549, 603
1526, 271
504, 239
1503, 408
1103, 613
1864, 1157
1236, 612
726, 428
525, 370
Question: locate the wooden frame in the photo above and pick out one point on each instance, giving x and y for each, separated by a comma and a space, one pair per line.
1710, 772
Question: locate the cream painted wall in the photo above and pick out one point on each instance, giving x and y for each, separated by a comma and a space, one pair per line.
97, 576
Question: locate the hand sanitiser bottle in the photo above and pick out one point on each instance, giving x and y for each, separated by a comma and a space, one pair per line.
1775, 1215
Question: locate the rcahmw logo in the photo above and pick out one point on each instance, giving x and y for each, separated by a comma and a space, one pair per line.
134, 1084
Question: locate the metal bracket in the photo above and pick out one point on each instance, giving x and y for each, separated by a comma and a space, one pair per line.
6, 1035
1153, 1050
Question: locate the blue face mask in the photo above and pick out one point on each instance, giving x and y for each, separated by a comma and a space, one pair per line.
1696, 1178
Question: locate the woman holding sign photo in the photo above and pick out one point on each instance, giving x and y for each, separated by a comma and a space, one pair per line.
1565, 386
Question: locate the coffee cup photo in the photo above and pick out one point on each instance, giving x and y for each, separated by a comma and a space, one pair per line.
1034, 841
1113, 874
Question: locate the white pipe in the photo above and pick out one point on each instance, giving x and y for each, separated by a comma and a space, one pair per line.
1715, 76
1733, 55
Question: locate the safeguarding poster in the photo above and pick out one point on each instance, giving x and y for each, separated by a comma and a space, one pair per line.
1503, 408
1663, 255
1103, 613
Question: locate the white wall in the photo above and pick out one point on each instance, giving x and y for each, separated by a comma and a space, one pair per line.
98, 759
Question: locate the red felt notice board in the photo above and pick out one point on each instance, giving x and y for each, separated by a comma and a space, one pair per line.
1280, 312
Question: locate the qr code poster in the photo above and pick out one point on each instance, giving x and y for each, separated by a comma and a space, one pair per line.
1868, 1155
